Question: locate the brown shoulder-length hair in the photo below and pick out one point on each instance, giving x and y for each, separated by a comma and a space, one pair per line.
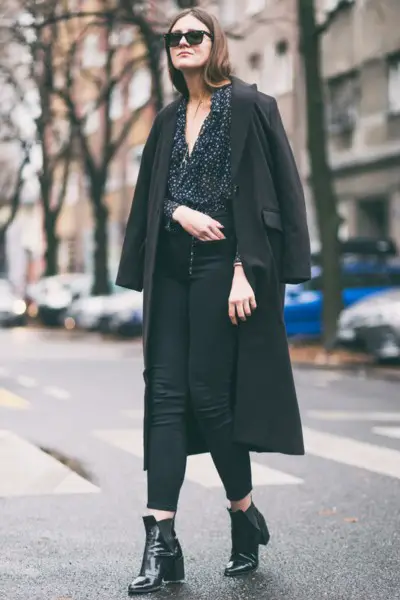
218, 67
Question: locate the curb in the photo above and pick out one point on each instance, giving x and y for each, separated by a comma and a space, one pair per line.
365, 369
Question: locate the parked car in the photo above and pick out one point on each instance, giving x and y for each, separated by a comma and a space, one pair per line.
126, 306
12, 306
373, 324
127, 322
359, 247
304, 301
89, 312
53, 295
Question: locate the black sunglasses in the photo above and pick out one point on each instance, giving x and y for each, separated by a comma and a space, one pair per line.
193, 38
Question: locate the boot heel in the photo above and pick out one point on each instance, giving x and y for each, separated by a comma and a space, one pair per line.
176, 573
264, 533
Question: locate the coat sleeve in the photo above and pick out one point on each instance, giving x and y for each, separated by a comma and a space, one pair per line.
130, 270
296, 248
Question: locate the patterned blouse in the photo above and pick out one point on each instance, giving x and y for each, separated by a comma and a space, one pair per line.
203, 180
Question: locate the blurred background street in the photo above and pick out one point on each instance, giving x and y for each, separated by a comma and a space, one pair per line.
80, 85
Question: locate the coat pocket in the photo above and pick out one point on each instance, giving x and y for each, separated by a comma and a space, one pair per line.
272, 219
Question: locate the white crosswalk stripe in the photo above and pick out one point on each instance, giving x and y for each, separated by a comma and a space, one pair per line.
27, 382
25, 470
200, 469
390, 432
347, 451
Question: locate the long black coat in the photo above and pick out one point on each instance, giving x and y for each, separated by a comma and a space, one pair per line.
273, 241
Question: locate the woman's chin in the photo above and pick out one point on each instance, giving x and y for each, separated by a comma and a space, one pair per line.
187, 64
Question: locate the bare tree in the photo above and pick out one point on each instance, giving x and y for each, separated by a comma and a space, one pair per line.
325, 201
30, 75
69, 79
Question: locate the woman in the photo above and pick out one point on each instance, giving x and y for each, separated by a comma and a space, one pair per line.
217, 226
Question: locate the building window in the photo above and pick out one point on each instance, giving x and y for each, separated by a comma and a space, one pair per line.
253, 7
278, 68
116, 104
92, 55
140, 89
342, 105
394, 85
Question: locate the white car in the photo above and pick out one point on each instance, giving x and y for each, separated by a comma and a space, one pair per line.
93, 313
12, 306
373, 324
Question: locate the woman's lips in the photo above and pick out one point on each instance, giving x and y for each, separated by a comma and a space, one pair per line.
184, 54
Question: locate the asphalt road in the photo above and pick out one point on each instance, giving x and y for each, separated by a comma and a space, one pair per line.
334, 515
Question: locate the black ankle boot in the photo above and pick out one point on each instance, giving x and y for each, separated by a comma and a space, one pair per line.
162, 558
248, 531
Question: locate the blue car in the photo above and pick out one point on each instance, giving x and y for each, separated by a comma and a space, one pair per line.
303, 301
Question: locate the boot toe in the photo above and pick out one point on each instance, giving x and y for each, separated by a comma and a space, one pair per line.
241, 565
142, 585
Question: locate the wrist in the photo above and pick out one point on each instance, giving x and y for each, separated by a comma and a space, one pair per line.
238, 269
176, 215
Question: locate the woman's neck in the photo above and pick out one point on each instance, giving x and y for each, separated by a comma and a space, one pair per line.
196, 88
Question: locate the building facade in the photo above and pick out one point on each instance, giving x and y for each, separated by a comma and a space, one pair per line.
361, 67
361, 72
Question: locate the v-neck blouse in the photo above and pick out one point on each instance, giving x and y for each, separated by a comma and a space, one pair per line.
203, 181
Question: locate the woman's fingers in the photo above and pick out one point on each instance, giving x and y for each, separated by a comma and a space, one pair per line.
232, 313
210, 234
241, 309
216, 227
246, 308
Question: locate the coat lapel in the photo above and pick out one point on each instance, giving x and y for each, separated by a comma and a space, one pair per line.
243, 98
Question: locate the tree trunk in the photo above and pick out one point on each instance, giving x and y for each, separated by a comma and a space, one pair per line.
321, 180
101, 285
52, 243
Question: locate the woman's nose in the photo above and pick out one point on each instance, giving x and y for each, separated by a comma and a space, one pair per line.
183, 41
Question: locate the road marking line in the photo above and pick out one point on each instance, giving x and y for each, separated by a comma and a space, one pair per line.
26, 470
200, 469
10, 400
363, 455
390, 432
57, 393
348, 415
27, 382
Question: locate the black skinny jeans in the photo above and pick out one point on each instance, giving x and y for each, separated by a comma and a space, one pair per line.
192, 359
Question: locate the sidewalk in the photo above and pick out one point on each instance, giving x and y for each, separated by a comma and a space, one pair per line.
313, 355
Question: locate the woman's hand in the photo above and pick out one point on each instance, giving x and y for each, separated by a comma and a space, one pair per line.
241, 299
198, 224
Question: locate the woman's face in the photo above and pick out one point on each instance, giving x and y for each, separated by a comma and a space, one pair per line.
185, 57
